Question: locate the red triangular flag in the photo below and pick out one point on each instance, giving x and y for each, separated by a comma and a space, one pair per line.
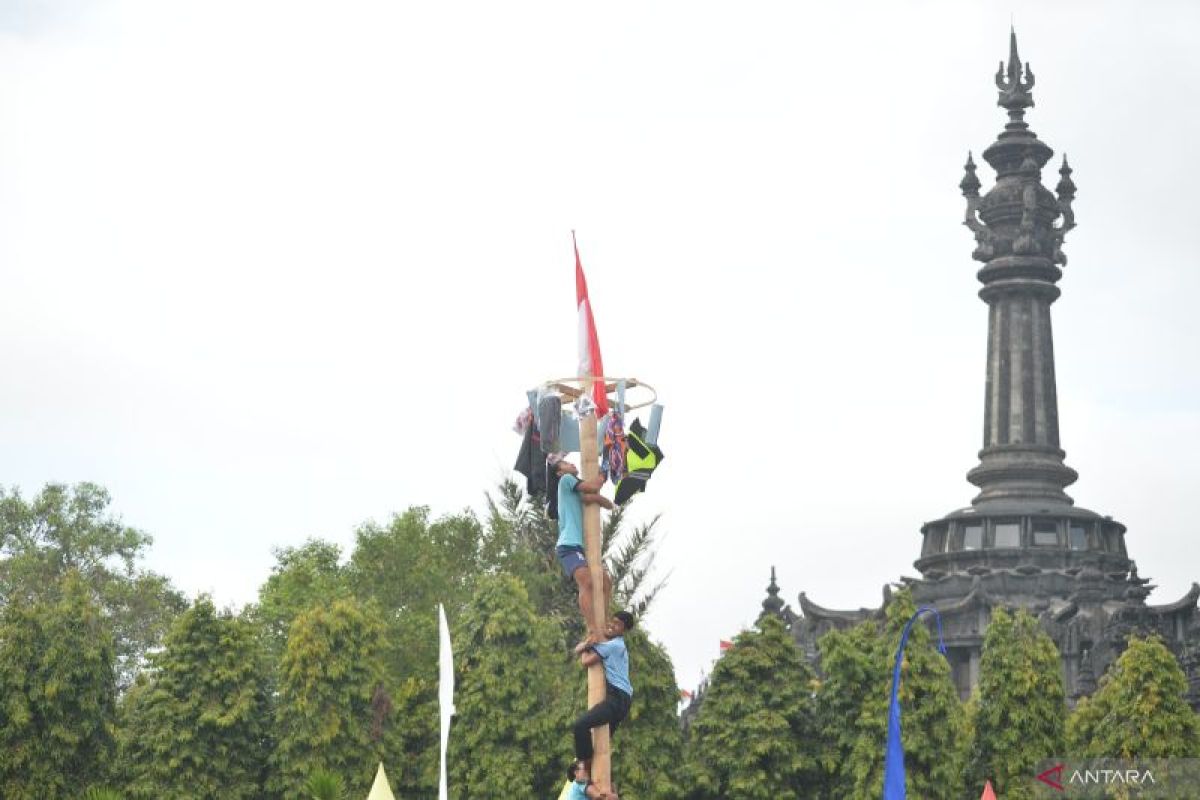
589, 344
988, 794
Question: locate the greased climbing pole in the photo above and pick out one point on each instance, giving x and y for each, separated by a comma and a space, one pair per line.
592, 392
589, 452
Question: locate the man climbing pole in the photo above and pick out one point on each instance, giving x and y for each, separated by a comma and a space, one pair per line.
572, 494
610, 711
579, 785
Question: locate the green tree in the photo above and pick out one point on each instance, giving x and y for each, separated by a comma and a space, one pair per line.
408, 568
412, 743
1139, 709
203, 727
850, 663
511, 733
58, 690
303, 577
934, 723
330, 701
1020, 714
648, 749
67, 528
753, 737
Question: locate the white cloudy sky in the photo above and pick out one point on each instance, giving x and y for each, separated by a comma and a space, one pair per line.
270, 269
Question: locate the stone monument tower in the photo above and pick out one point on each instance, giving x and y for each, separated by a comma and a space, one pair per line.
1023, 543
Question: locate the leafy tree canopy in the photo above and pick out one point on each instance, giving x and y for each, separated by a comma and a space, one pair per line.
753, 738
933, 727
67, 528
202, 722
1139, 709
57, 692
331, 711
511, 735
1020, 708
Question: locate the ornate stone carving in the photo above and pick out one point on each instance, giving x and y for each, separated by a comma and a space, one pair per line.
1014, 92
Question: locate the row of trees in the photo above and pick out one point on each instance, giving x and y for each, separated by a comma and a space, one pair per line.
769, 728
109, 678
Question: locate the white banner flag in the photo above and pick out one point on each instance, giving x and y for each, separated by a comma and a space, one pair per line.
445, 692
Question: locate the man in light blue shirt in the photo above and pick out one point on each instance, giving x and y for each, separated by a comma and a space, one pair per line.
580, 787
618, 693
572, 493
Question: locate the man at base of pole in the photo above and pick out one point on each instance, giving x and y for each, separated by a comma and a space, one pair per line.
618, 692
580, 787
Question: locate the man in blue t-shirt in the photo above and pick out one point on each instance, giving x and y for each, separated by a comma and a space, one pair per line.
572, 493
618, 693
580, 787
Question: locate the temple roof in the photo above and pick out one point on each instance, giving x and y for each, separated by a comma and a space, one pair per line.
813, 611
1187, 602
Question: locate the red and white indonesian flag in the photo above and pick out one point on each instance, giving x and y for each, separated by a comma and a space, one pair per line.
589, 345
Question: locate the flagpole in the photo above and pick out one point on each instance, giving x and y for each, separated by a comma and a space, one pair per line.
589, 457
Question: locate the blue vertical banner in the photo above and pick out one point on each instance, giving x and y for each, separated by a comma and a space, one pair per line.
893, 765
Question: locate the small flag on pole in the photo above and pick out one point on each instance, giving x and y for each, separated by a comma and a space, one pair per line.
684, 694
445, 693
893, 765
726, 645
589, 344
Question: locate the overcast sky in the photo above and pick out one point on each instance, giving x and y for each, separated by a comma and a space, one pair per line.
271, 269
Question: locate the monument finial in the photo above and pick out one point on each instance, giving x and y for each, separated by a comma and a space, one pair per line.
970, 183
773, 604
1014, 83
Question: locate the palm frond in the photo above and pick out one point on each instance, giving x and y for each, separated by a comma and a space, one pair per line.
100, 793
324, 785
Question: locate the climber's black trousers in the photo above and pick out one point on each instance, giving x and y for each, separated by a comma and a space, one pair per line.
611, 711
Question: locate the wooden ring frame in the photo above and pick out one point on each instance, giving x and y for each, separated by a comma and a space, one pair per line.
572, 388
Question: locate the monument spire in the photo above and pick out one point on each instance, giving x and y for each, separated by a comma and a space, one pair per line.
1019, 228
1014, 88
1023, 543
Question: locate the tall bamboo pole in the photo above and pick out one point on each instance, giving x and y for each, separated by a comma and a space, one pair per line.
590, 456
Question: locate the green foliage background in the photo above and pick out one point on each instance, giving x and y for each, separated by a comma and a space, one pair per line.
329, 676
1020, 711
754, 738
113, 686
1138, 711
199, 723
854, 696
58, 692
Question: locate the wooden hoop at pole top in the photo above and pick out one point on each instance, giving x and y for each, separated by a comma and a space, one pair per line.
574, 387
